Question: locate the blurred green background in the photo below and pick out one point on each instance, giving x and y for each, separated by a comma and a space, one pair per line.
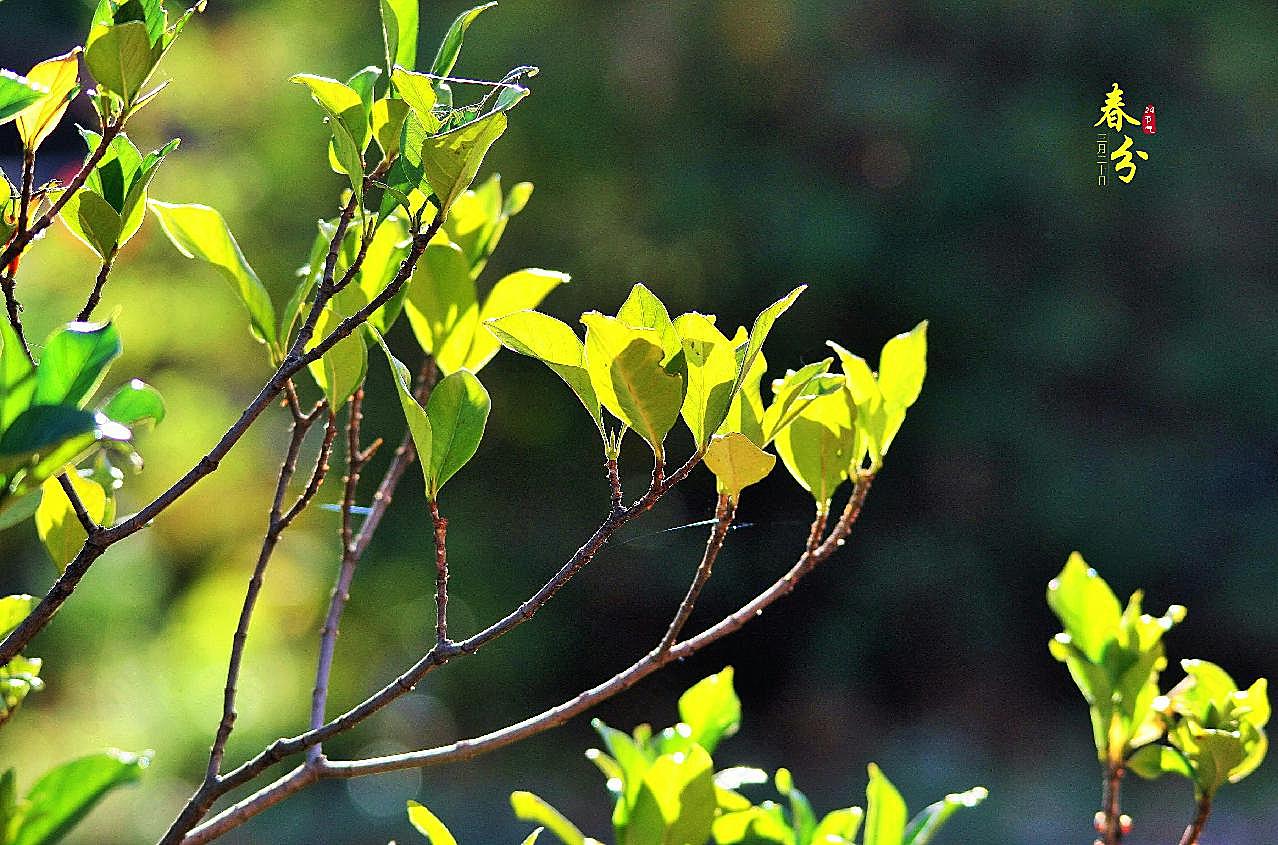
1101, 379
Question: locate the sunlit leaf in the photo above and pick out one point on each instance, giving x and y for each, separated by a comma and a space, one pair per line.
1086, 606
458, 411
531, 808
924, 827
419, 425
134, 403
737, 463
62, 797
56, 523
450, 47
518, 291
122, 58
555, 344
61, 76
676, 801
200, 232
711, 709
711, 365
74, 362
16, 94
450, 161
885, 811
625, 367
428, 825
399, 32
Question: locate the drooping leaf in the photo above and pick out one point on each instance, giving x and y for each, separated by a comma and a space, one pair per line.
458, 411
62, 797
625, 367
555, 344
817, 447
134, 403
737, 463
16, 94
885, 811
55, 520
399, 33
200, 232
450, 161
902, 366
450, 47
531, 808
74, 362
761, 329
428, 825
387, 119
711, 709
93, 221
61, 76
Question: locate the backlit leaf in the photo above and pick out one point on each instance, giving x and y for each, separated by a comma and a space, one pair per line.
458, 411
56, 523
61, 76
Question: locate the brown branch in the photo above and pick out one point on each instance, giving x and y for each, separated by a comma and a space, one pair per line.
1110, 827
555, 716
725, 512
20, 241
95, 296
1195, 829
294, 362
441, 575
77, 505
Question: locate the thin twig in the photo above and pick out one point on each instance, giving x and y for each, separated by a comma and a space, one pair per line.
465, 749
1111, 812
95, 296
77, 505
441, 574
724, 514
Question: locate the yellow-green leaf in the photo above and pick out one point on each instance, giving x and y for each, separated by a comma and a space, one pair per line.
122, 58
56, 523
61, 76
340, 371
418, 421
712, 371
200, 232
625, 367
519, 291
441, 304
817, 446
555, 344
737, 463
532, 808
428, 825
450, 161
885, 811
902, 366
458, 411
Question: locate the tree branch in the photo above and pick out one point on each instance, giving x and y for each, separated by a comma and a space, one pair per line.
95, 296
555, 716
1195, 829
441, 574
293, 363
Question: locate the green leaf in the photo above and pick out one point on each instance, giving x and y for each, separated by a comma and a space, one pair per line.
625, 367
419, 424
348, 121
927, 824
794, 392
55, 520
712, 375
885, 816
122, 58
1086, 606
399, 33
441, 305
711, 709
737, 463
676, 802
754, 826
387, 119
902, 366
16, 94
450, 161
1153, 761
74, 362
18, 678
762, 327
838, 826
802, 818
418, 91
818, 446
555, 344
17, 376
458, 410
428, 825
643, 310
14, 510
530, 808
134, 403
340, 371
746, 413
65, 795
44, 431
13, 609
518, 291
93, 222
450, 47
200, 232
61, 76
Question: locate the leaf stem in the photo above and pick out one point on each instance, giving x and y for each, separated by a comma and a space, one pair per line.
1195, 829
441, 575
95, 296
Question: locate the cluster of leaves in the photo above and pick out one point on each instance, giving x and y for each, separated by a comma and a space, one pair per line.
47, 428
1205, 728
665, 791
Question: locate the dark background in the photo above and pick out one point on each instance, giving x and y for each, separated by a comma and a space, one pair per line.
1100, 379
